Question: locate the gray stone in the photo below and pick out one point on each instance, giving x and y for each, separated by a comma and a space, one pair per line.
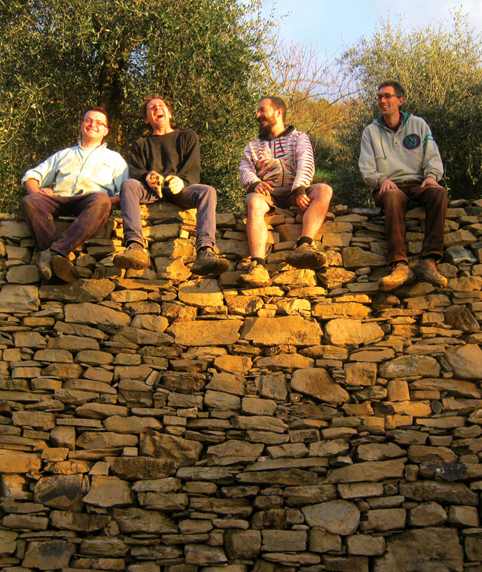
355, 257
365, 545
283, 540
104, 547
206, 333
80, 522
201, 555
95, 314
379, 451
337, 516
465, 361
322, 541
165, 502
49, 555
108, 492
232, 452
136, 520
427, 514
242, 544
386, 519
368, 471
404, 366
293, 330
15, 298
181, 451
120, 424
63, 492
317, 382
342, 331
423, 550
201, 293
461, 318
105, 440
464, 516
79, 291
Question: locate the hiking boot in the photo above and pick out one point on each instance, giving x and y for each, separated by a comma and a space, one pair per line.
399, 274
306, 256
44, 263
429, 271
208, 263
64, 269
135, 256
255, 277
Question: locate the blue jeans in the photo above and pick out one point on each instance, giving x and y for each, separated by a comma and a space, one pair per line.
202, 197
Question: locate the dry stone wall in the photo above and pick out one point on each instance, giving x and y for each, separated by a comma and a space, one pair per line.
153, 421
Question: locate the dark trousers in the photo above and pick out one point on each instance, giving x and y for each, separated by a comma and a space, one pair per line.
394, 204
202, 197
91, 209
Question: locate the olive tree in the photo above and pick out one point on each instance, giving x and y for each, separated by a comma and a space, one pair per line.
60, 56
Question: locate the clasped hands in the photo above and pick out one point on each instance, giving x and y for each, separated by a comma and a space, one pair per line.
156, 182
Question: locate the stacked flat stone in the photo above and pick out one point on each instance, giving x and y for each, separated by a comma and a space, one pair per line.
155, 421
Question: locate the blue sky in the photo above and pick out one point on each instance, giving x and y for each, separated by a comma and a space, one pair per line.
332, 25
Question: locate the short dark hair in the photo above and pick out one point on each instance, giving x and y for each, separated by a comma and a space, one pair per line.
399, 91
99, 110
150, 98
277, 103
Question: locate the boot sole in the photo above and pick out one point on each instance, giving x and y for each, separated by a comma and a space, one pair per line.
215, 267
308, 260
248, 282
388, 287
64, 269
127, 263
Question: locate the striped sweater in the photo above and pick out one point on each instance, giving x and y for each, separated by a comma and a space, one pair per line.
286, 161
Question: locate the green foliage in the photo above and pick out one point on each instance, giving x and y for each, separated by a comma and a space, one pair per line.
60, 56
441, 72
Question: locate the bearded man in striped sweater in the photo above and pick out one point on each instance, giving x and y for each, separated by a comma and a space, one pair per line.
276, 171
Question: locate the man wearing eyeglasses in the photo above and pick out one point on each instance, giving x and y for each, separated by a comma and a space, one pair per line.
400, 161
79, 181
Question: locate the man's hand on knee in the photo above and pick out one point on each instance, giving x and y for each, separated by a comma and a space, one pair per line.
303, 202
387, 184
430, 182
263, 188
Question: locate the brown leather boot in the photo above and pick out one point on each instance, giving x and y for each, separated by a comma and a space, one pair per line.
399, 274
428, 270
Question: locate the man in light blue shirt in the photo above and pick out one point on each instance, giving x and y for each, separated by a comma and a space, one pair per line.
81, 181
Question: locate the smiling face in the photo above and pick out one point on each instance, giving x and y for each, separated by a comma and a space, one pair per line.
158, 116
388, 102
268, 118
93, 129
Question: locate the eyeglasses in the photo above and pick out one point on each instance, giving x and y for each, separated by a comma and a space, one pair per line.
386, 96
94, 122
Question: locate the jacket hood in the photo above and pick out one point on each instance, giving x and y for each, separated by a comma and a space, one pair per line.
287, 131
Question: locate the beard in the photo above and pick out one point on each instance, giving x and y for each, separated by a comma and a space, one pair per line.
265, 129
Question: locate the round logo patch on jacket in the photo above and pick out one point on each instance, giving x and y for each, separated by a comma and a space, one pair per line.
412, 141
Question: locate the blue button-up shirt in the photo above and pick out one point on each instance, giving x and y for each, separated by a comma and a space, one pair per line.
76, 170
